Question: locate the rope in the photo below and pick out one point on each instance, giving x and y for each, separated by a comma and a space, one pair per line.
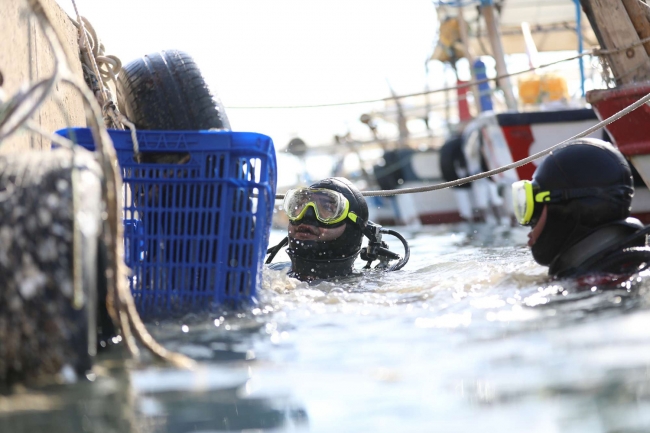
83, 46
119, 300
428, 92
618, 50
108, 65
595, 52
16, 112
452, 102
97, 58
519, 163
599, 125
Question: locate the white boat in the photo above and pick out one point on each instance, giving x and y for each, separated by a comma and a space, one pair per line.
494, 139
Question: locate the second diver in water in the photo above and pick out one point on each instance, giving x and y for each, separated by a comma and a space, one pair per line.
578, 206
327, 224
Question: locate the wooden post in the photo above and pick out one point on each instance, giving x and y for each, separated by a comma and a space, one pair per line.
497, 50
639, 21
447, 99
614, 29
462, 25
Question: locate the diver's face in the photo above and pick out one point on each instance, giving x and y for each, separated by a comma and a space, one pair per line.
538, 229
308, 232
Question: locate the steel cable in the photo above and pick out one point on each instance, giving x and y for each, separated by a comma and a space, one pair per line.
414, 190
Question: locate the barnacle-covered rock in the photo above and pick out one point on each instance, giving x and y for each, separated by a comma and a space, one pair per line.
47, 321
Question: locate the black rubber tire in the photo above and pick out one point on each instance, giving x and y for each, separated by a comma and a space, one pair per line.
166, 91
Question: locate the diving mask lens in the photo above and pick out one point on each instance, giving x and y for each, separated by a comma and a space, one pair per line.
330, 206
523, 201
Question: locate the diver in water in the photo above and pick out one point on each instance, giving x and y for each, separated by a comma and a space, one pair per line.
327, 223
578, 206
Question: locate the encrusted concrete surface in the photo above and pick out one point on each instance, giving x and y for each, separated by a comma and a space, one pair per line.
26, 56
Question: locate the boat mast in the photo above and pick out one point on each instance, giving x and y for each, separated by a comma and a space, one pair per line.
492, 26
462, 27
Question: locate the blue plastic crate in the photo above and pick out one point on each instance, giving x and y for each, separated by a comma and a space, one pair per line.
196, 232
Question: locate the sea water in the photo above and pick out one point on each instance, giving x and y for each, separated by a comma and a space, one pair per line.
471, 336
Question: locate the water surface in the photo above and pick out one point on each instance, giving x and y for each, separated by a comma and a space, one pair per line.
470, 336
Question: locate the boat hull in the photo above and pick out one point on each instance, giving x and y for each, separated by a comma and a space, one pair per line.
494, 140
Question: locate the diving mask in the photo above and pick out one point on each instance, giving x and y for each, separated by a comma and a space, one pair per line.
529, 198
330, 207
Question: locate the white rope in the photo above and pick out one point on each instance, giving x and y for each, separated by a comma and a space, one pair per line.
113, 65
87, 49
16, 112
599, 125
516, 164
134, 137
119, 297
595, 52
428, 92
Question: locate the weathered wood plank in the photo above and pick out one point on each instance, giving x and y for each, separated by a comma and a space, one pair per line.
637, 15
614, 29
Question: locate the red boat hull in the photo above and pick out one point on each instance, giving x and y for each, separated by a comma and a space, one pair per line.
629, 133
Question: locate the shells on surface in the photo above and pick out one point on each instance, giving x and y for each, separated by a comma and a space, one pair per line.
41, 331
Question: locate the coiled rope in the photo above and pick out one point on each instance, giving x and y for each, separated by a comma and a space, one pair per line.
108, 65
102, 69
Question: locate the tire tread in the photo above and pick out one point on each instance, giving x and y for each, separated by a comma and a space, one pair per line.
166, 91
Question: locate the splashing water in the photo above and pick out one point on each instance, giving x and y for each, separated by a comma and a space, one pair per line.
470, 335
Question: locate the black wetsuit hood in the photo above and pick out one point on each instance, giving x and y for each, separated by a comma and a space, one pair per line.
328, 259
586, 163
